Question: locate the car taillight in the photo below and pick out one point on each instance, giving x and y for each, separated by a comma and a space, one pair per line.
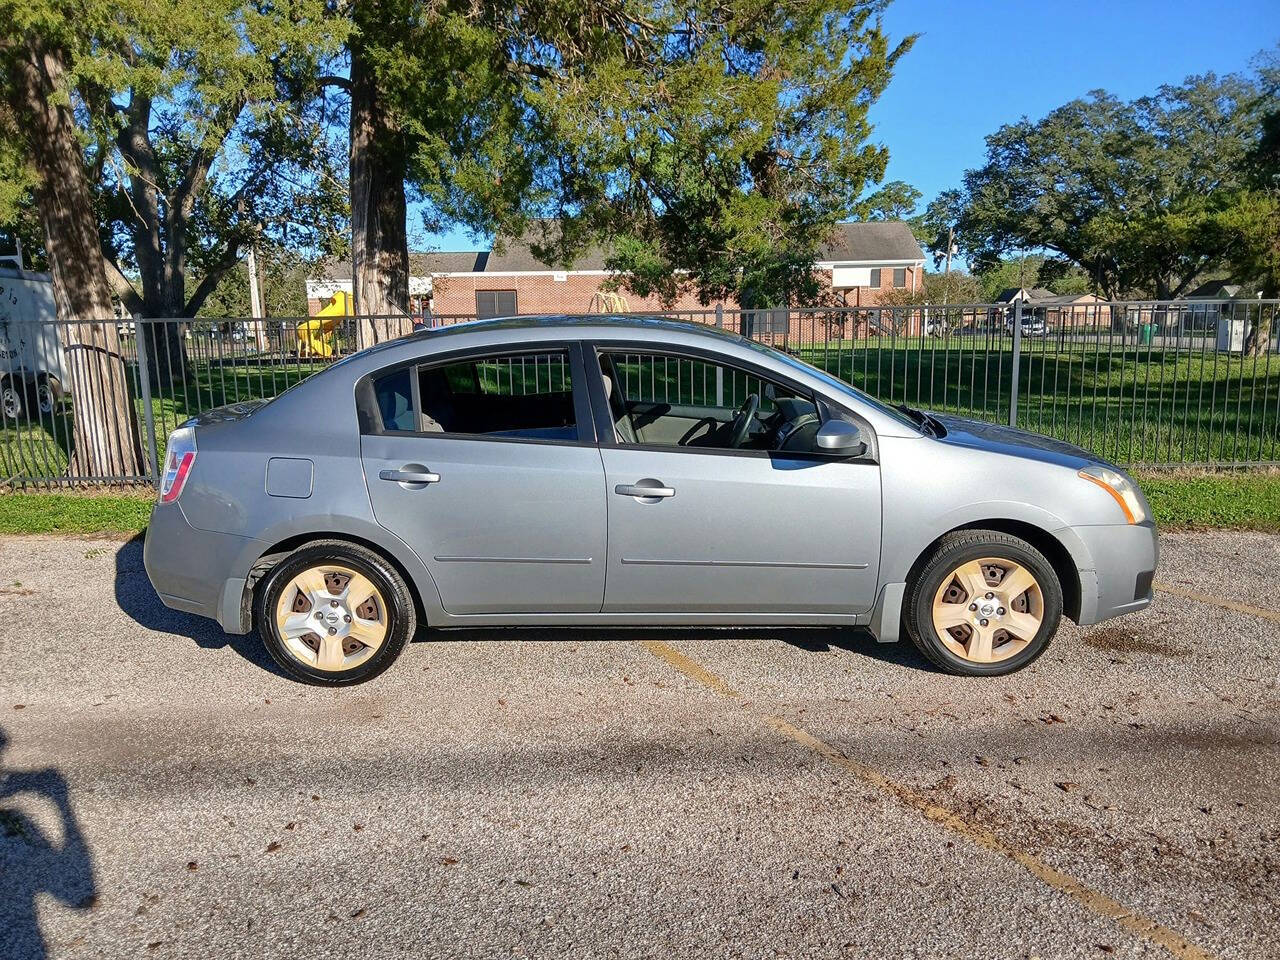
179, 456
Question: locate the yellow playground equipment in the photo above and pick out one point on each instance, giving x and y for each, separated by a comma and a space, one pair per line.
609, 301
318, 336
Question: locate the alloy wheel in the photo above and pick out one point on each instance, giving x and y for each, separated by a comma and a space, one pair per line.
331, 618
988, 610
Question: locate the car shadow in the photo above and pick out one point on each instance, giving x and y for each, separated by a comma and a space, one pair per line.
856, 640
138, 599
34, 863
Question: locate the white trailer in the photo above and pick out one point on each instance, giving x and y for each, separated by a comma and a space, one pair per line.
32, 371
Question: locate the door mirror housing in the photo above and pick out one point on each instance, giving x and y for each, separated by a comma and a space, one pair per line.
842, 438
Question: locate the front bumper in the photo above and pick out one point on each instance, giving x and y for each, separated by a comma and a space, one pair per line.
1124, 564
196, 571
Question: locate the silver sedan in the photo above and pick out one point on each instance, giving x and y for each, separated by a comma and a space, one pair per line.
636, 472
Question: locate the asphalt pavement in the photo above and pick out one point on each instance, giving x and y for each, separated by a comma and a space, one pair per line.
164, 792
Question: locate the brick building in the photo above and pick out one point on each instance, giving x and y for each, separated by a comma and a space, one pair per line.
862, 262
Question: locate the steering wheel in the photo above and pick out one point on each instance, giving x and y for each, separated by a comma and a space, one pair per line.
742, 422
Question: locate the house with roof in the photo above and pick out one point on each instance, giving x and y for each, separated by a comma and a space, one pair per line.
862, 263
1056, 310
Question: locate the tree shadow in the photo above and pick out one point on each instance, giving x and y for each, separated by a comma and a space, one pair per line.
139, 601
32, 863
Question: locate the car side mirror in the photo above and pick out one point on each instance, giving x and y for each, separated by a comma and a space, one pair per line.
841, 437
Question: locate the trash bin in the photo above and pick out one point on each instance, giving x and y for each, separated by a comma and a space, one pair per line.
1146, 332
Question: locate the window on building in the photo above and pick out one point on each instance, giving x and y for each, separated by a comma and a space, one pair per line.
875, 278
495, 303
899, 277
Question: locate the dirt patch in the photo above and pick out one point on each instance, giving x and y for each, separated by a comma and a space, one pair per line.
1119, 640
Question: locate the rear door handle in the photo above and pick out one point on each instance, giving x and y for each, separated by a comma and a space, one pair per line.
409, 476
644, 489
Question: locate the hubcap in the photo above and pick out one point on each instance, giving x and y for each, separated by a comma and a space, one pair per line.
988, 610
331, 618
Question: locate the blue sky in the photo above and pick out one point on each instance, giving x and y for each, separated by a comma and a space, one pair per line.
984, 63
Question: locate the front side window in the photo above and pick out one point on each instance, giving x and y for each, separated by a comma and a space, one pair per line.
678, 401
523, 395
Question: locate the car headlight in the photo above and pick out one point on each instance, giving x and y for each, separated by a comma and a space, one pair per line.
1121, 489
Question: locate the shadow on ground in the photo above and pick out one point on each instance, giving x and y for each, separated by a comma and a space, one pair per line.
35, 862
138, 599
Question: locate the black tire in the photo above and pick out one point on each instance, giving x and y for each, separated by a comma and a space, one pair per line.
955, 549
400, 611
47, 394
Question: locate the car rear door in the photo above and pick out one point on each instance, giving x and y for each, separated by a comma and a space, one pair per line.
698, 529
485, 464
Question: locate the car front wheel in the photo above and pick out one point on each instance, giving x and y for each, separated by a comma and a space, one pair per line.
334, 614
985, 603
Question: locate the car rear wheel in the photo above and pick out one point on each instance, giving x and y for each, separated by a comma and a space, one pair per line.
334, 614
985, 603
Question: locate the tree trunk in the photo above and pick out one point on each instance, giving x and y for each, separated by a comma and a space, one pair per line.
105, 432
161, 271
379, 240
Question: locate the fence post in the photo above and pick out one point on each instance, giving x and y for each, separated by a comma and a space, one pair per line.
1017, 362
720, 315
144, 383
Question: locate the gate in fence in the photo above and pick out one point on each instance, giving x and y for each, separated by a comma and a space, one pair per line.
1138, 383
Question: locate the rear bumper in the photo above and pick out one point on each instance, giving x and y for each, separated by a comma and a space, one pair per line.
196, 571
1124, 563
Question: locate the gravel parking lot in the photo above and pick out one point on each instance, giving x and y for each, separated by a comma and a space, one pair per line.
163, 792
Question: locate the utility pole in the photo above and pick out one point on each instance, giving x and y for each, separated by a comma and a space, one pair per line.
946, 277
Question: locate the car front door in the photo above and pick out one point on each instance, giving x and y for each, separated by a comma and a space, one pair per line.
486, 465
699, 526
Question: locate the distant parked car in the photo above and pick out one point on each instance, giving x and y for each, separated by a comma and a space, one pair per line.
1032, 326
629, 471
32, 369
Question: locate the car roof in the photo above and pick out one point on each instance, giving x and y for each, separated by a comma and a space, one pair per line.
583, 326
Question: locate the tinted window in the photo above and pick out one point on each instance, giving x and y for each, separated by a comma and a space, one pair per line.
523, 395
394, 395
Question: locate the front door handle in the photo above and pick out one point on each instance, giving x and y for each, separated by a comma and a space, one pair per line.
647, 488
422, 475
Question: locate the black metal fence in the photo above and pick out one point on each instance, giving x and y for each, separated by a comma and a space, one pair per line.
1140, 383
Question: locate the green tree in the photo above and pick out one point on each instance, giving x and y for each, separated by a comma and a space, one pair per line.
715, 145
1142, 196
195, 143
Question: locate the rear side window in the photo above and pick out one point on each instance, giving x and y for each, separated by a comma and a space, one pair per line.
394, 395
526, 395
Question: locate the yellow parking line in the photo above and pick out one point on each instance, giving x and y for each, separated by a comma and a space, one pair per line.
1264, 612
1090, 899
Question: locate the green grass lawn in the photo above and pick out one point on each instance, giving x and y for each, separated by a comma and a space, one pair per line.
1246, 500
113, 513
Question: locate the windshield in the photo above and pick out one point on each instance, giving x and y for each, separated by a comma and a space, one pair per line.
838, 385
